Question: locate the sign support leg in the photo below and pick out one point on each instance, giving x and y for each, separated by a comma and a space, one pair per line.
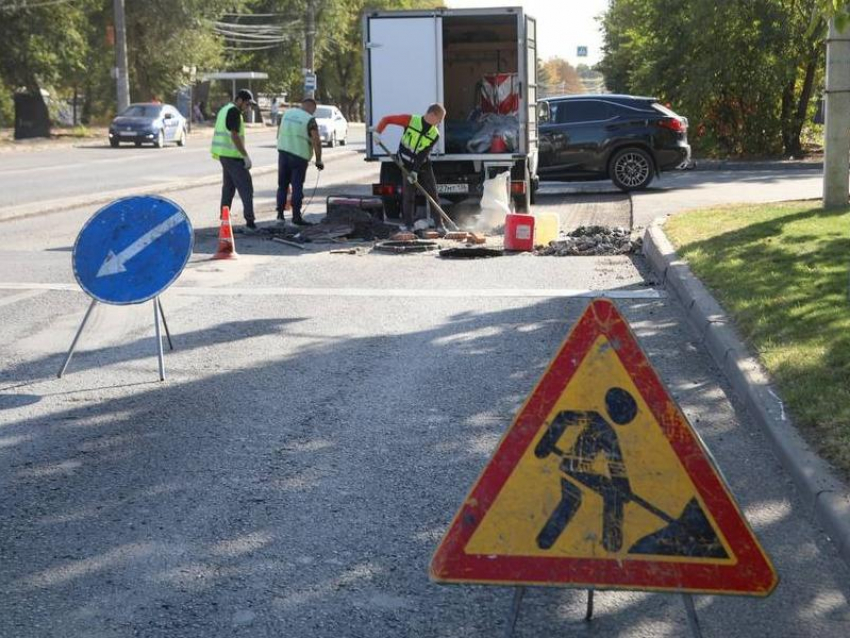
589, 615
691, 613
77, 338
164, 324
158, 339
519, 592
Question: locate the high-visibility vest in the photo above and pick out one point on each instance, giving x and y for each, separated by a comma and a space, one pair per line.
414, 141
222, 143
293, 136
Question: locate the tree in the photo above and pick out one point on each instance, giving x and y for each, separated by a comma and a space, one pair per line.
743, 71
46, 46
562, 77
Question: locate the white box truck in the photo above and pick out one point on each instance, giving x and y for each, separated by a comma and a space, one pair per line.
481, 64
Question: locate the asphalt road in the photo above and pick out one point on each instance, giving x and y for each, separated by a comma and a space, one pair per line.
323, 419
51, 175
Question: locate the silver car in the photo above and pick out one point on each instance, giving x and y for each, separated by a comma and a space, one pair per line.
333, 127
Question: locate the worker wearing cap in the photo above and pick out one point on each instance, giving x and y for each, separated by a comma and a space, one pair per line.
228, 147
297, 140
420, 136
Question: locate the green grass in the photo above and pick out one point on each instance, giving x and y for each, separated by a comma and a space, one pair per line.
783, 272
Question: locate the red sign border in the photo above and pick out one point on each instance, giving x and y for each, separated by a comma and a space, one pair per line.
753, 574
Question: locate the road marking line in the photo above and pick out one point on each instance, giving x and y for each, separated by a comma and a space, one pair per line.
480, 293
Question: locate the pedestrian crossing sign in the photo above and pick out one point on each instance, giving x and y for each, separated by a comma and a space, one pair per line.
601, 482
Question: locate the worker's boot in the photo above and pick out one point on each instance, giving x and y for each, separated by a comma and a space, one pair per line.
300, 221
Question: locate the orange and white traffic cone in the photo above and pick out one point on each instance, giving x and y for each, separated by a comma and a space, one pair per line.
226, 245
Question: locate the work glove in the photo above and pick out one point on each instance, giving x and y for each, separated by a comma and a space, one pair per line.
248, 163
412, 177
320, 166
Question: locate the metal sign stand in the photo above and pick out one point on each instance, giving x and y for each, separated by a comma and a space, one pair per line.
158, 314
519, 592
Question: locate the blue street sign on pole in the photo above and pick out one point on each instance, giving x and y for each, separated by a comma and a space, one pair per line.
132, 249
581, 52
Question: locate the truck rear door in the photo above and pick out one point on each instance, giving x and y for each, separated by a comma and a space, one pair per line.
531, 83
404, 71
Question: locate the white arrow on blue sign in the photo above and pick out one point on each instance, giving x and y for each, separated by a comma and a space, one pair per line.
132, 249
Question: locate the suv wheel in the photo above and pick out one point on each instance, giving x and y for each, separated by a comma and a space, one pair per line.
631, 169
159, 142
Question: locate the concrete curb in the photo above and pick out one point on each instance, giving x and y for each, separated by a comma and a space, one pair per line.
821, 490
59, 205
756, 165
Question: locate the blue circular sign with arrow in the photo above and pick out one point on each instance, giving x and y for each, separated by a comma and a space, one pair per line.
132, 249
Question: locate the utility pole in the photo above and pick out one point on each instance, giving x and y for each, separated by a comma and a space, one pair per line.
836, 165
122, 80
309, 43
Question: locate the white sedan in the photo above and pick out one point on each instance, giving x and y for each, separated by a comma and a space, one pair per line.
333, 127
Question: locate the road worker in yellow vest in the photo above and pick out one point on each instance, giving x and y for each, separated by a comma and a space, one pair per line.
228, 147
420, 136
297, 140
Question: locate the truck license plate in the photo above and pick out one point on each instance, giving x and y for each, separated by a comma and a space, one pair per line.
452, 188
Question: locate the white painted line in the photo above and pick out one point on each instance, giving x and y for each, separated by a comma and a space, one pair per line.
457, 293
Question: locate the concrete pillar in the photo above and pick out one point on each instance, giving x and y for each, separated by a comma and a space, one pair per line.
836, 167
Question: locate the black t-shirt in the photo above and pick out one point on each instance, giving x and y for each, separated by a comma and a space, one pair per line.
234, 120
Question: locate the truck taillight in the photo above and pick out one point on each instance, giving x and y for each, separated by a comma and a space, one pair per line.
383, 190
673, 123
518, 188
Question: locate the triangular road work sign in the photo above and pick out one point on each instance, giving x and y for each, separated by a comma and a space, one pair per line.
601, 482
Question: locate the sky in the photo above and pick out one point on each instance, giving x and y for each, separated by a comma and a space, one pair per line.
562, 25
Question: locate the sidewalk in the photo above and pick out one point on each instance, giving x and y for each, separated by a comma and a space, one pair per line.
66, 138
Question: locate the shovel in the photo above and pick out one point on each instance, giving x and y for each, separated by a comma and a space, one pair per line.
406, 174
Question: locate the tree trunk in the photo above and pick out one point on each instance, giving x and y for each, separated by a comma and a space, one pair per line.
803, 101
786, 121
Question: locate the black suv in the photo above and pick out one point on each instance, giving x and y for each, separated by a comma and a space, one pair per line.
622, 137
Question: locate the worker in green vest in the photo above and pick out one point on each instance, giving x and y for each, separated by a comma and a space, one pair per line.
297, 140
228, 147
419, 137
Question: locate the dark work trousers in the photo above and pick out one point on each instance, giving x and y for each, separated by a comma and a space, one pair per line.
235, 177
291, 171
409, 194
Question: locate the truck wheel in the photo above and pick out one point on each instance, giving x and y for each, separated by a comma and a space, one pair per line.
631, 169
521, 201
392, 207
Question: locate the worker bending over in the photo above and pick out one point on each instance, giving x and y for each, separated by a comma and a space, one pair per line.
419, 137
297, 139
228, 147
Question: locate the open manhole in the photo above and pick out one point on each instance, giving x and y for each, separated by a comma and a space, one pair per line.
400, 247
474, 252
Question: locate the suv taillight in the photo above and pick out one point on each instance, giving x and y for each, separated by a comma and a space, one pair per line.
674, 124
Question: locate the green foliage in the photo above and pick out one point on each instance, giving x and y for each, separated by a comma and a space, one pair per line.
780, 270
65, 46
743, 71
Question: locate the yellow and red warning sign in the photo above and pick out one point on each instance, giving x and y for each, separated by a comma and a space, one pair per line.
602, 482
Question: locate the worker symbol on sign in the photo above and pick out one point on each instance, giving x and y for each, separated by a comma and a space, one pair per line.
689, 535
